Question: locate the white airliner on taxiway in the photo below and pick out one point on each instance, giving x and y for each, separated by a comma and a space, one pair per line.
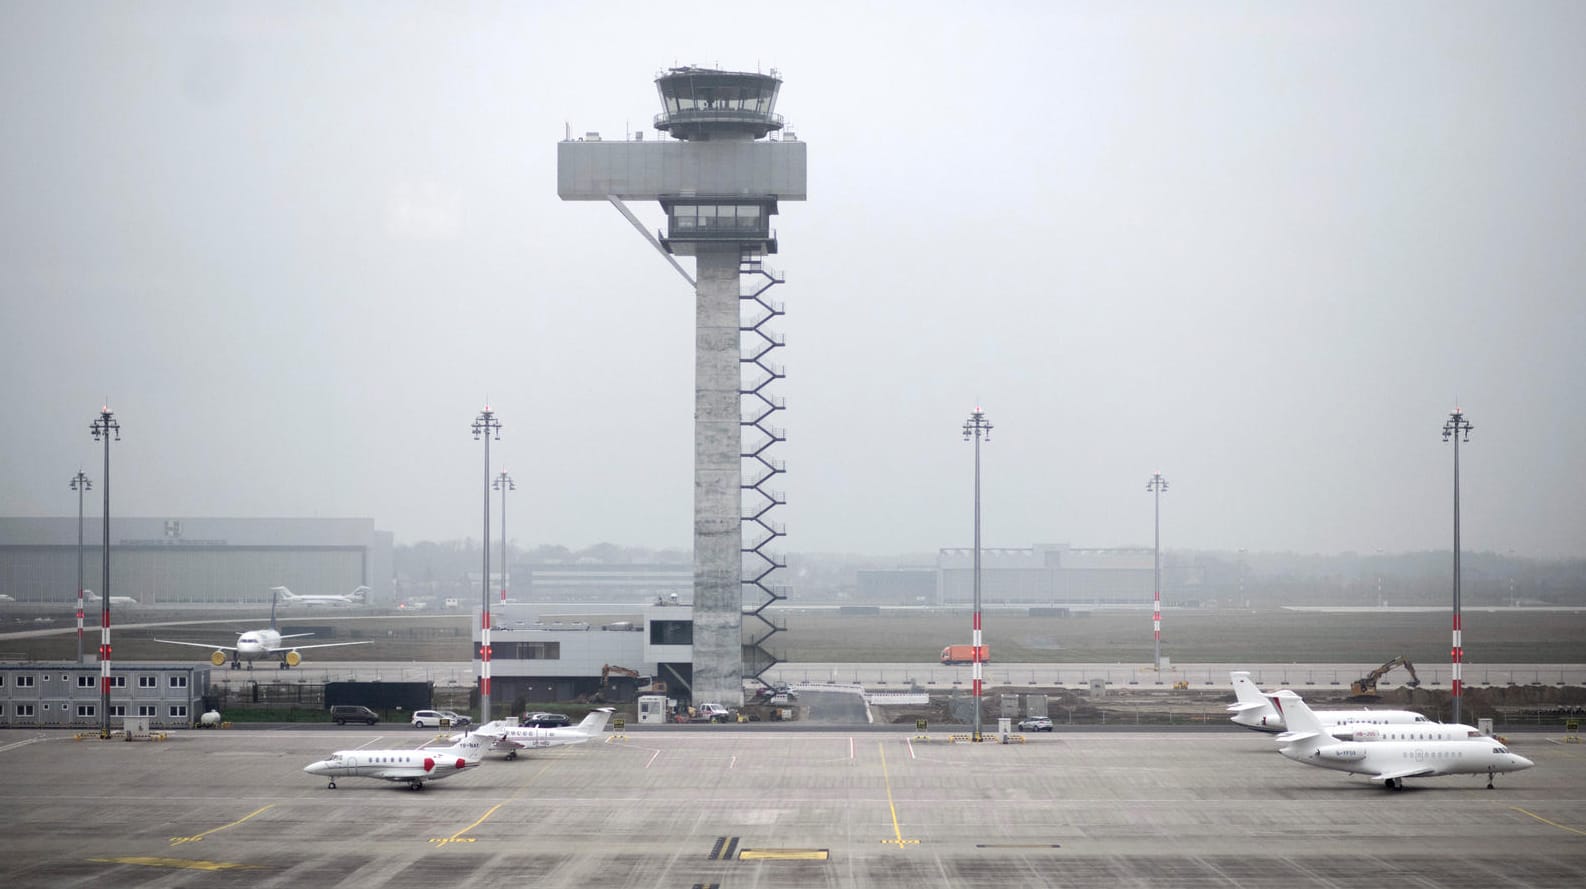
1389, 761
509, 736
92, 596
1254, 710
358, 596
412, 765
252, 645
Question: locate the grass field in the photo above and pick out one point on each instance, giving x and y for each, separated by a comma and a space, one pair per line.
1188, 636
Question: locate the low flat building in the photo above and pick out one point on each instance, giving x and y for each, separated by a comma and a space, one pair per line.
539, 656
66, 695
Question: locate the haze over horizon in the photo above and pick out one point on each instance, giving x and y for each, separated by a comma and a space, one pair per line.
1261, 249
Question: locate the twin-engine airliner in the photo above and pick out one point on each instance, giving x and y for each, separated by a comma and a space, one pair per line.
358, 596
253, 645
412, 765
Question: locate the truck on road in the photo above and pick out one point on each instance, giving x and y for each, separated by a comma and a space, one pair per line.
954, 655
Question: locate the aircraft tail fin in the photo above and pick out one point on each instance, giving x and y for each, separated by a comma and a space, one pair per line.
1305, 727
595, 723
470, 747
1246, 692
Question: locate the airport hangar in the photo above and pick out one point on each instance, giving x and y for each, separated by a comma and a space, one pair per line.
191, 562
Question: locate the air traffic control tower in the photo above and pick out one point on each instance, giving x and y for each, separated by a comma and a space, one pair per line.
718, 174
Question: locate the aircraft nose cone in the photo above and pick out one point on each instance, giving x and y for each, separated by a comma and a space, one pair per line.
315, 768
1521, 762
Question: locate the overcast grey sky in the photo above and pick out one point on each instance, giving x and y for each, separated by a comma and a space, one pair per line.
1261, 248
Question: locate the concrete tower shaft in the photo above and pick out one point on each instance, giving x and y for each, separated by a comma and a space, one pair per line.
719, 180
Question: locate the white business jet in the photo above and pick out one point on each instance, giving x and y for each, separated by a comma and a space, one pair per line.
412, 765
509, 736
358, 596
253, 645
1254, 710
1389, 761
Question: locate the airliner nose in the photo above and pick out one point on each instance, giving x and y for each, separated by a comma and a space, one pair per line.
317, 768
1520, 762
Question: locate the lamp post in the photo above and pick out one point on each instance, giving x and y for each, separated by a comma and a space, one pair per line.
1156, 486
504, 484
103, 428
1454, 427
977, 427
485, 425
82, 485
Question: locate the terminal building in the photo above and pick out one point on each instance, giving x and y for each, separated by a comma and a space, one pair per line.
195, 561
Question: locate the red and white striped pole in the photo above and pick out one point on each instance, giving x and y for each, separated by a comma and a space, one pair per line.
103, 427
485, 425
977, 427
1156, 485
1454, 426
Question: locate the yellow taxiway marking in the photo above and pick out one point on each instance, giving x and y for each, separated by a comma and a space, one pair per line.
783, 855
1549, 823
897, 832
177, 841
458, 836
186, 863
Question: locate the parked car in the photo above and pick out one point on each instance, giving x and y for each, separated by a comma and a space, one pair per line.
428, 718
456, 718
545, 720
341, 714
1035, 724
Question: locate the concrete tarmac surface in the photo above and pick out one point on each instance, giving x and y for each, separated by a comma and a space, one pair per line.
739, 806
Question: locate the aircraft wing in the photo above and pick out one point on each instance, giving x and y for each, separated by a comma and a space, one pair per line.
198, 645
321, 645
296, 635
1412, 772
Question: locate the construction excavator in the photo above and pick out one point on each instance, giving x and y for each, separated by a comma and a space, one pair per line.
1365, 688
642, 683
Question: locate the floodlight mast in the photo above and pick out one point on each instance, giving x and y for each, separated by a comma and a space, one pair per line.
103, 428
505, 485
1156, 486
1455, 427
485, 425
82, 485
977, 427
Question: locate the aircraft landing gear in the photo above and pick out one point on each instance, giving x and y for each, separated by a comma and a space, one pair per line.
1489, 780
512, 754
1393, 784
415, 785
331, 786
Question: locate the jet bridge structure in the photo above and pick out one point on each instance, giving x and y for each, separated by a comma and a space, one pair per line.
719, 173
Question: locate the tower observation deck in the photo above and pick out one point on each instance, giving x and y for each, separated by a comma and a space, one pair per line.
719, 179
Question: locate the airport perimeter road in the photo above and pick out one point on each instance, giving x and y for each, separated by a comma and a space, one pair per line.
774, 809
894, 677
